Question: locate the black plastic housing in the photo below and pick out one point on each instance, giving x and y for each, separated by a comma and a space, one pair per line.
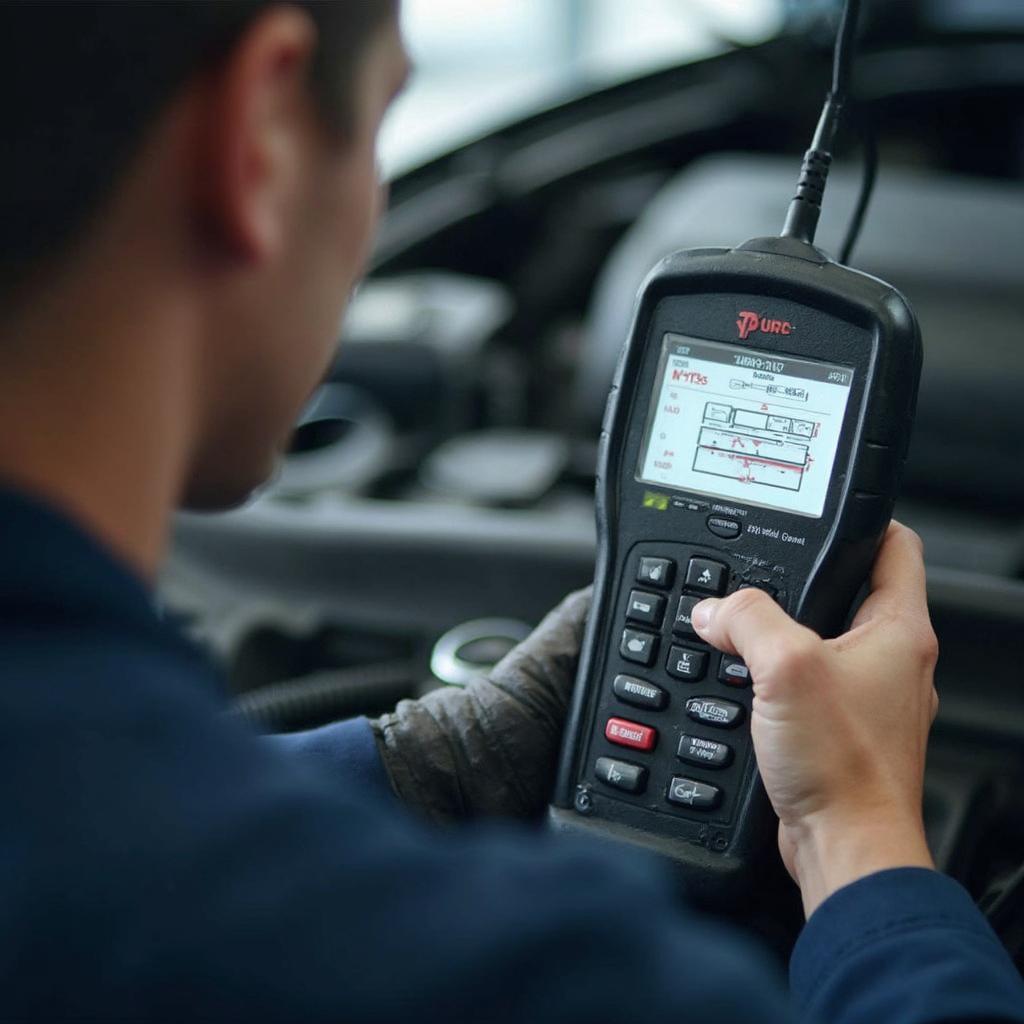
838, 316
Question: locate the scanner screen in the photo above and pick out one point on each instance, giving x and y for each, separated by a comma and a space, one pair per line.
737, 424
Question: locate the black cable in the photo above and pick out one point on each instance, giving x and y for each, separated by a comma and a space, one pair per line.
869, 144
805, 207
1008, 903
842, 56
326, 696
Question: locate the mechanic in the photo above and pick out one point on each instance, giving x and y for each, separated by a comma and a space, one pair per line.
189, 192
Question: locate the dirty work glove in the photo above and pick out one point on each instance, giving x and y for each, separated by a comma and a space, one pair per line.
489, 748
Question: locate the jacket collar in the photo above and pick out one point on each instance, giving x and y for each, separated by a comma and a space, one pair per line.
50, 567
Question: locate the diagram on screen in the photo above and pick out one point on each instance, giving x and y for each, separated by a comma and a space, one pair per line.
775, 390
754, 447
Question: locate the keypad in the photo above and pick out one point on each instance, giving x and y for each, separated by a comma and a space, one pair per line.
688, 695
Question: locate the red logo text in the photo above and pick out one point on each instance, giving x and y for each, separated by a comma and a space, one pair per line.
748, 322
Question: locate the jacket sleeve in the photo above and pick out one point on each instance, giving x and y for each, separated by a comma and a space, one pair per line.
905, 945
345, 750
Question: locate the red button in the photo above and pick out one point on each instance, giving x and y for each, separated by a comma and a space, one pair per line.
629, 734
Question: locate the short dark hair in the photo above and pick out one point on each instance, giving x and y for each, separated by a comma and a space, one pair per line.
82, 81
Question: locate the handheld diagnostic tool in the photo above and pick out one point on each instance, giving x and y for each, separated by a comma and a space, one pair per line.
754, 437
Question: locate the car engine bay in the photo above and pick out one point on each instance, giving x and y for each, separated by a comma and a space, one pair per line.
443, 473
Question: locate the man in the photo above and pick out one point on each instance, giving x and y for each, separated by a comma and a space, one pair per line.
189, 194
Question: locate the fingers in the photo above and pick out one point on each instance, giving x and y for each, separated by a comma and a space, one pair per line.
570, 615
898, 587
751, 624
556, 641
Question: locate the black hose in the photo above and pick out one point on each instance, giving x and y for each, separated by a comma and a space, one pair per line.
867, 186
326, 697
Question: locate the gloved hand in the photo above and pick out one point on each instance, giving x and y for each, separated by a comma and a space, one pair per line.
491, 747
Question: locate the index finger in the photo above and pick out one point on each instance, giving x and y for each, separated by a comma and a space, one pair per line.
898, 585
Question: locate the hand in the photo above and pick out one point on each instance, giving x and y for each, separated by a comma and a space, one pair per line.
840, 726
491, 747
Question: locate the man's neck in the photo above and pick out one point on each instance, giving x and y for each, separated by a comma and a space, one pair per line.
95, 416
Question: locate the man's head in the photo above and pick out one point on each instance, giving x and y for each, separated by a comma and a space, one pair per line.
222, 153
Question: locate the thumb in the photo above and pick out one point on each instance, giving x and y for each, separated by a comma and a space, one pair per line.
544, 664
749, 623
558, 636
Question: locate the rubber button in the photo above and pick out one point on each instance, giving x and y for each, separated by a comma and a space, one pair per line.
639, 693
656, 572
646, 608
876, 471
733, 671
728, 529
865, 515
707, 576
701, 796
630, 734
709, 753
630, 778
686, 664
711, 711
639, 647
683, 623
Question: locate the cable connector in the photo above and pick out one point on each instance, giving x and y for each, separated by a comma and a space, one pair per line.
805, 207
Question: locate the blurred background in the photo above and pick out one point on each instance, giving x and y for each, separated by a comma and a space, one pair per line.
480, 65
546, 155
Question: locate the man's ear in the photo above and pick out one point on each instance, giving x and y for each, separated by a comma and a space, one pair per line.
254, 118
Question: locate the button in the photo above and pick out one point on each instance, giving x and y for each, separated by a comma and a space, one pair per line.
697, 750
877, 469
726, 528
639, 693
701, 796
630, 734
687, 664
706, 575
638, 647
684, 616
733, 671
658, 572
646, 608
621, 774
712, 711
865, 515
769, 588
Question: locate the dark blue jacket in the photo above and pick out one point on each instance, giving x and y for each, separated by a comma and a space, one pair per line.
159, 862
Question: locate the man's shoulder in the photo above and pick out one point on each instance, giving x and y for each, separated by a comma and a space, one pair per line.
79, 671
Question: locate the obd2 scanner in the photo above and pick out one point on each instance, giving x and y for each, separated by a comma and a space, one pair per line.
754, 436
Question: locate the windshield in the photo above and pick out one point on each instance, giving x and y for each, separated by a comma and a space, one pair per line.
482, 63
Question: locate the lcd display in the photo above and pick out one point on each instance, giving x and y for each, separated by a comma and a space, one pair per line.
750, 426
